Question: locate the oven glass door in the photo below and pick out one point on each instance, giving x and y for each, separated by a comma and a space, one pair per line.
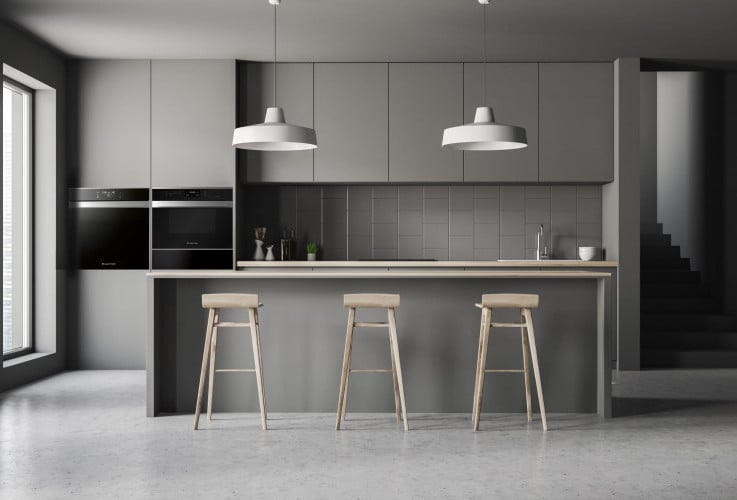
193, 227
111, 238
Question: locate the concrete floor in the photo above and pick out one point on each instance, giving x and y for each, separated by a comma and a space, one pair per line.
83, 434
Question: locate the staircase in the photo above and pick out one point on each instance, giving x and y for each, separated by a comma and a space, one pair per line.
681, 325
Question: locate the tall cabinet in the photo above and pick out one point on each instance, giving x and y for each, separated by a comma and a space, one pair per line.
192, 122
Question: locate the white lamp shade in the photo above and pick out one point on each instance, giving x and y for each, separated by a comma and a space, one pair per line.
484, 134
275, 135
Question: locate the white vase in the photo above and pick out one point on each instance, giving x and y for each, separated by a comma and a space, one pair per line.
270, 252
259, 253
311, 256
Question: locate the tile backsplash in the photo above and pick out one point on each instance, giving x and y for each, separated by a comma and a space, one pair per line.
430, 222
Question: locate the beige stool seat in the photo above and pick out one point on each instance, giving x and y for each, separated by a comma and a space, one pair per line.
523, 302
215, 302
390, 302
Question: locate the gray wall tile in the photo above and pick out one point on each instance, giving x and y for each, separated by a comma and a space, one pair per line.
486, 210
460, 198
486, 191
512, 247
486, 254
409, 222
359, 198
435, 192
334, 192
537, 210
563, 231
385, 236
385, 210
589, 191
460, 223
359, 247
359, 223
434, 236
589, 235
385, 192
435, 210
435, 253
531, 235
309, 198
460, 248
485, 236
385, 253
511, 198
409, 247
537, 192
512, 223
562, 198
589, 210
334, 230
409, 198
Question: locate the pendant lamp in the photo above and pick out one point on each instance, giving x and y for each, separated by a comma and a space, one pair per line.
484, 134
274, 134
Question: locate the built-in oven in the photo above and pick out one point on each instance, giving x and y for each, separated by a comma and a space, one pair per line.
110, 228
192, 228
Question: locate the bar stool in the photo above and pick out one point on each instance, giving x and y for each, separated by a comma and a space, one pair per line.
215, 302
524, 302
390, 302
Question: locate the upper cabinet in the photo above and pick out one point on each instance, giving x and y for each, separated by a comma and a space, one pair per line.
424, 99
294, 93
351, 120
511, 91
576, 122
193, 111
113, 116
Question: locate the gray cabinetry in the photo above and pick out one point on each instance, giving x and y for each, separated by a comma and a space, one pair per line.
576, 122
114, 123
351, 119
511, 91
294, 93
192, 120
424, 99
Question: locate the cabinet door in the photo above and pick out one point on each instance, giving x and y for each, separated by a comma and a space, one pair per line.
294, 84
576, 122
424, 99
192, 121
114, 123
511, 91
352, 120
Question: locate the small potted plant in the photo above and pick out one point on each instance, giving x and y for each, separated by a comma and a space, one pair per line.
311, 251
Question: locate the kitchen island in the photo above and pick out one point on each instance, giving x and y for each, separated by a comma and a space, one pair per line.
303, 328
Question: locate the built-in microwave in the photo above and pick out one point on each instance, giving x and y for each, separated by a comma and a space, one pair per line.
192, 228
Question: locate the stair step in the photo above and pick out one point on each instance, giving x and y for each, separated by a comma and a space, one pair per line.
655, 239
673, 290
656, 228
687, 322
649, 252
654, 263
663, 276
692, 340
697, 358
680, 304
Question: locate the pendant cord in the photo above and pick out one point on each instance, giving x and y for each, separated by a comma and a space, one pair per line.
274, 55
483, 87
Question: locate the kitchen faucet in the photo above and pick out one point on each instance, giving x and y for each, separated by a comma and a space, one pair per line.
541, 255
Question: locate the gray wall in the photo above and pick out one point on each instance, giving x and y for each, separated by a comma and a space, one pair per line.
483, 222
729, 264
38, 60
648, 148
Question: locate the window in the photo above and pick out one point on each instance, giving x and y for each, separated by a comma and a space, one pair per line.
17, 227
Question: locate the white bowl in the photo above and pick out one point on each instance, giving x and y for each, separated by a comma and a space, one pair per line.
587, 253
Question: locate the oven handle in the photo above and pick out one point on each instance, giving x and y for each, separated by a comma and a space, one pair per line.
108, 204
191, 204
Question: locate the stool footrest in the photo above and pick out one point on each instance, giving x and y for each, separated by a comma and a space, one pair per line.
369, 370
504, 371
508, 325
229, 324
371, 324
236, 370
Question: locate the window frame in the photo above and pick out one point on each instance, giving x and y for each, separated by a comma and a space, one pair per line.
29, 252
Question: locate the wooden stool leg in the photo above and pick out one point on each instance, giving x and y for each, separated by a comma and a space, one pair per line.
257, 362
398, 363
535, 365
526, 364
203, 370
482, 368
213, 354
397, 403
260, 362
346, 367
478, 366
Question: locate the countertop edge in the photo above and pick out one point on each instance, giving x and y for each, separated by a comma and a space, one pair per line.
426, 264
419, 274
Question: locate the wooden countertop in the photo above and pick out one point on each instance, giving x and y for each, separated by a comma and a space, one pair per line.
384, 273
468, 264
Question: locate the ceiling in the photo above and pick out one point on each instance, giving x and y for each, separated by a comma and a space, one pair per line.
384, 30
